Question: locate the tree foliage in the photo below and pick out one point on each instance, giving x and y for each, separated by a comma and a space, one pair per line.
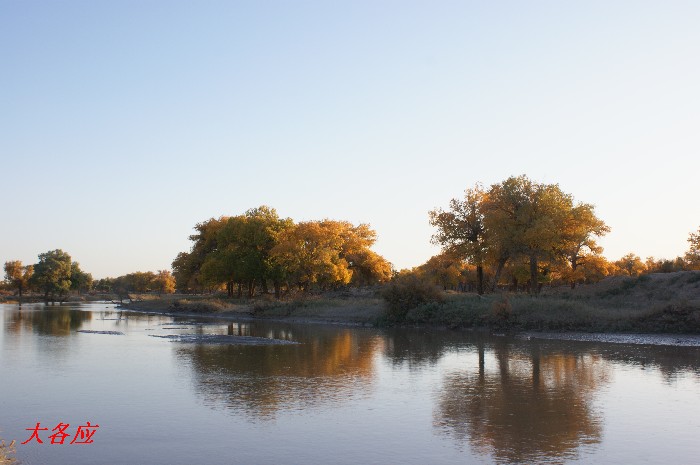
631, 265
259, 248
52, 275
18, 275
163, 282
520, 222
692, 256
461, 230
79, 280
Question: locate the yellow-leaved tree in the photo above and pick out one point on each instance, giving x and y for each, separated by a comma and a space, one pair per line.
692, 256
328, 253
18, 275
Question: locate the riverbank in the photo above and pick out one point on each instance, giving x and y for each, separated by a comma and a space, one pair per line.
336, 308
654, 303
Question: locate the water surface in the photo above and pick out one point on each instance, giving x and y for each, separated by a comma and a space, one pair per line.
342, 395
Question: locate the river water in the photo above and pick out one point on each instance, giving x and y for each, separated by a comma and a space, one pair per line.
341, 396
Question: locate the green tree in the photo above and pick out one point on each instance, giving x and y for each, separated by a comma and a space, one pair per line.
79, 280
18, 276
52, 274
187, 266
104, 285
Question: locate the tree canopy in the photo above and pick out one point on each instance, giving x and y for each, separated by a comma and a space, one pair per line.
692, 256
18, 275
259, 248
519, 219
52, 275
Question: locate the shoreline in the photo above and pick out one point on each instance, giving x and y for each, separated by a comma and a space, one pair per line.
361, 312
245, 313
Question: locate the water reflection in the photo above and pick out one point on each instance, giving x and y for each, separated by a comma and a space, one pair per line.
417, 348
52, 321
671, 362
521, 404
330, 366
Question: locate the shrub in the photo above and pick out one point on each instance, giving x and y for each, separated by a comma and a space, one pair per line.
501, 311
407, 292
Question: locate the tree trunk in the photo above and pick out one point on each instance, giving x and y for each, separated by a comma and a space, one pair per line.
480, 279
574, 265
499, 270
534, 288
278, 290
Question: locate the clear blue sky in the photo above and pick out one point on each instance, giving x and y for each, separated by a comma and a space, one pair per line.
123, 124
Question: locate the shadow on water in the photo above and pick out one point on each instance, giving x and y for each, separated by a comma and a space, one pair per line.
331, 366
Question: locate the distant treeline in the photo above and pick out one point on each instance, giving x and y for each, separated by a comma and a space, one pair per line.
56, 276
517, 234
161, 282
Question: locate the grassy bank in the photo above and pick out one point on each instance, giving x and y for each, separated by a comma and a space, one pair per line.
520, 312
354, 308
652, 303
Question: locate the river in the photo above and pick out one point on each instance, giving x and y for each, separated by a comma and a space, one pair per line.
342, 395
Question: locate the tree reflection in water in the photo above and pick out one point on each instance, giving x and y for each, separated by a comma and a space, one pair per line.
51, 321
534, 406
329, 367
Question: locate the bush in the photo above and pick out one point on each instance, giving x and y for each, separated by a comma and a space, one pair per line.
501, 311
408, 292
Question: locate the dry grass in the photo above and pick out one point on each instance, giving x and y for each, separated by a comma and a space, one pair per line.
650, 303
354, 309
7, 453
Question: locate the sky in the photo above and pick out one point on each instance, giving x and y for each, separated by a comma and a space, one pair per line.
123, 124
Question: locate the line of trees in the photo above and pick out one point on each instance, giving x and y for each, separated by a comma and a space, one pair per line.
518, 231
532, 233
54, 275
160, 282
258, 249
